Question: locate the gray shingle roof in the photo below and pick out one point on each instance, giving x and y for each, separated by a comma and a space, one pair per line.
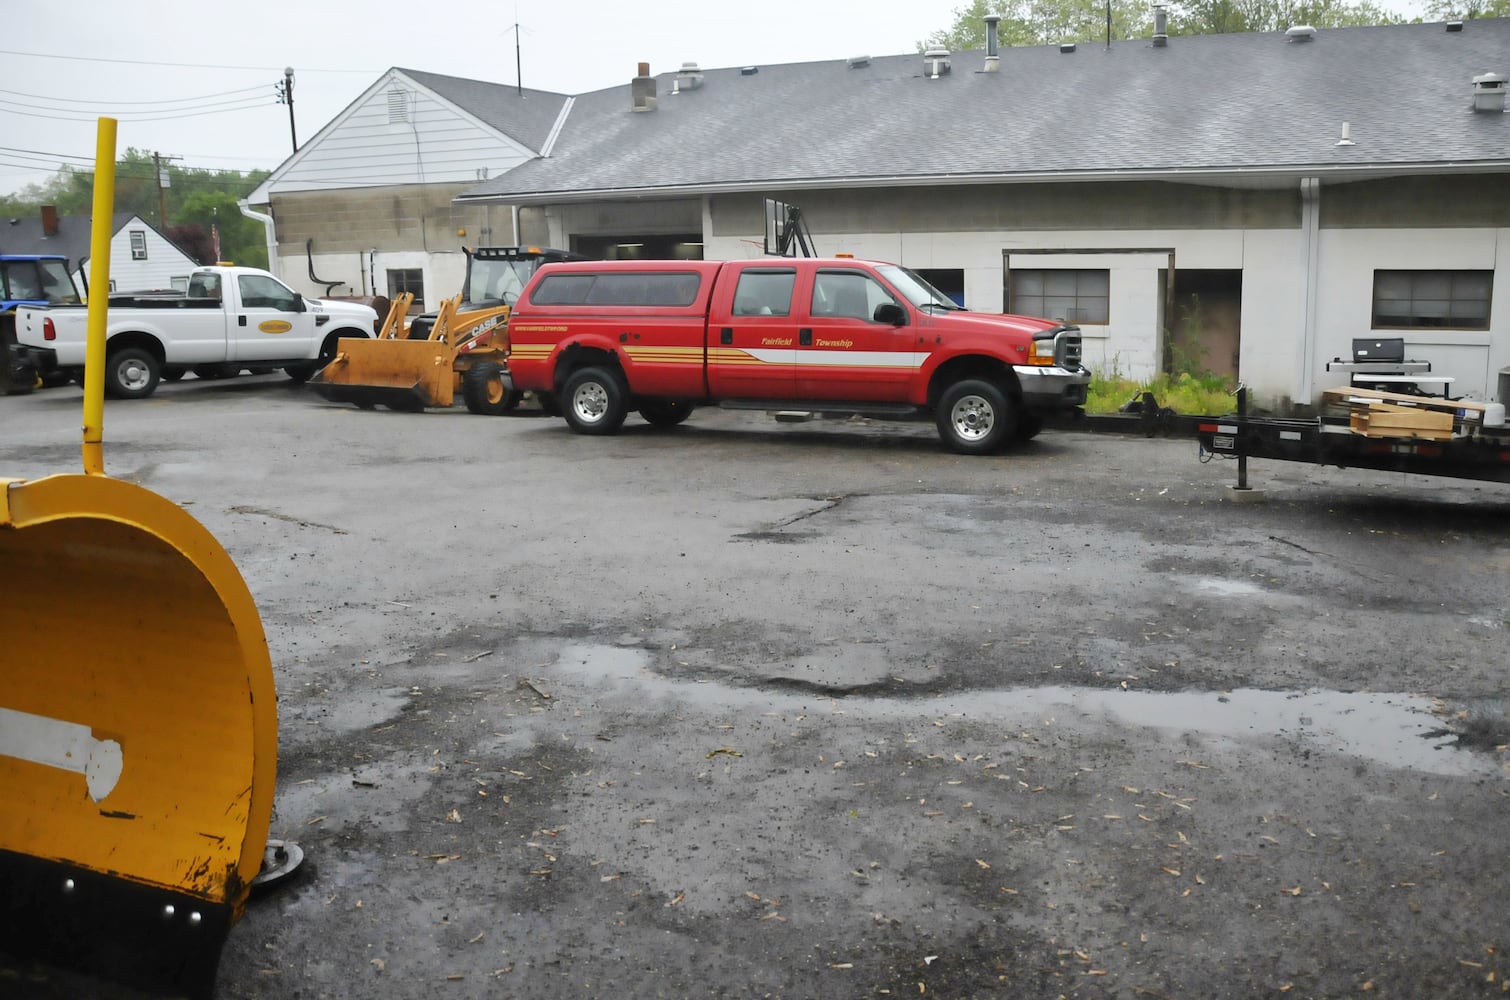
527, 117
24, 235
1231, 104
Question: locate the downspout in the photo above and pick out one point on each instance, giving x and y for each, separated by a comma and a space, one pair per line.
268, 227
514, 211
1310, 224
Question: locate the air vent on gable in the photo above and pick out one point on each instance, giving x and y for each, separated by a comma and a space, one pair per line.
398, 106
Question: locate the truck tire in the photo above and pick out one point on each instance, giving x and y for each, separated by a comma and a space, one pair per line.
1029, 426
665, 412
483, 392
299, 374
132, 373
974, 417
548, 403
173, 373
595, 401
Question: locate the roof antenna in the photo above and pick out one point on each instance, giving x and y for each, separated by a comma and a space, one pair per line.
1108, 25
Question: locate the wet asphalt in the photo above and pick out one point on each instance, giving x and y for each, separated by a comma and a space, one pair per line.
746, 708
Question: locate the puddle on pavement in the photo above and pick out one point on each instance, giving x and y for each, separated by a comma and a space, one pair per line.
1392, 729
1227, 588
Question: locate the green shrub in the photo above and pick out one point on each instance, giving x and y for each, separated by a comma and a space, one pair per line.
1183, 393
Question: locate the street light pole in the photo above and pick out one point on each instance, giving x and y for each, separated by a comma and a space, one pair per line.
288, 95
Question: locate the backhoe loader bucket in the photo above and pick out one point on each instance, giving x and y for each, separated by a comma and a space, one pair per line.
392, 371
138, 734
138, 717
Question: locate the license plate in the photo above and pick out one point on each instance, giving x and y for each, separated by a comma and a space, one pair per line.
1223, 442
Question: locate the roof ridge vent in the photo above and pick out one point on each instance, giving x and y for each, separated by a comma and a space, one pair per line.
1300, 33
1489, 92
936, 62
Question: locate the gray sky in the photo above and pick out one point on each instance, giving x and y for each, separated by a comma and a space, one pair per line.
206, 70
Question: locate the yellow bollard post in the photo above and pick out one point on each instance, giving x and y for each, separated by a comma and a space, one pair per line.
99, 277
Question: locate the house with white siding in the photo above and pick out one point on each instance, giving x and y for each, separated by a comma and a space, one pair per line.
141, 257
366, 207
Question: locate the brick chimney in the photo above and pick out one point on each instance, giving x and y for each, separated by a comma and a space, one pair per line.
49, 220
642, 90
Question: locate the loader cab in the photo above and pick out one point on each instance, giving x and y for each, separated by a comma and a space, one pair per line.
495, 277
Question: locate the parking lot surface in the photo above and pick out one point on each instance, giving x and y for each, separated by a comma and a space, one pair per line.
744, 708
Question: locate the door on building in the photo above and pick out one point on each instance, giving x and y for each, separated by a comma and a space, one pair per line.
1205, 328
676, 246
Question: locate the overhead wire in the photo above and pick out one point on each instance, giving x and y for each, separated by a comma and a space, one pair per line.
145, 116
166, 100
155, 62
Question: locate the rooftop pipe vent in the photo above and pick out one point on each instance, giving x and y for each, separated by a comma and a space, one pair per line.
935, 62
689, 77
642, 91
993, 54
1489, 92
1300, 33
1160, 27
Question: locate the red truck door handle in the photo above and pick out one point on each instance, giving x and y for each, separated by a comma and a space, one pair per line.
726, 335
805, 337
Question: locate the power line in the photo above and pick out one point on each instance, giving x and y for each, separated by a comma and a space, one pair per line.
154, 62
158, 118
167, 100
130, 116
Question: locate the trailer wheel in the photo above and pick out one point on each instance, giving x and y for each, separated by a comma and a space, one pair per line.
132, 373
974, 417
483, 392
665, 412
596, 401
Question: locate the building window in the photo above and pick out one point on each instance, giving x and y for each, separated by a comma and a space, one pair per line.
138, 244
1063, 294
408, 279
1452, 300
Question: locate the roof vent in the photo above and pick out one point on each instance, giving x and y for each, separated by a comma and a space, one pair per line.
689, 77
1454, 25
857, 62
1300, 33
1066, 46
1489, 92
1347, 136
1160, 26
749, 70
935, 62
642, 92
993, 54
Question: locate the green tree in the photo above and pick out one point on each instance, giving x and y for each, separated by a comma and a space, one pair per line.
1466, 10
195, 196
1042, 22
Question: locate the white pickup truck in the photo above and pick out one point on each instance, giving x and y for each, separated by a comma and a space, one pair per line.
230, 317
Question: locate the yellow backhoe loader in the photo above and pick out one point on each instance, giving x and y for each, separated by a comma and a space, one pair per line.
428, 361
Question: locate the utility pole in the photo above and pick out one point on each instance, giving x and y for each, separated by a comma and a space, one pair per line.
286, 96
163, 183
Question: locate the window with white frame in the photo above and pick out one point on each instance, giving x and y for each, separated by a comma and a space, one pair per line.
1070, 295
1443, 300
138, 244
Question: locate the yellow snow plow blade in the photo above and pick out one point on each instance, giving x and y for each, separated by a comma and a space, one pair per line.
138, 717
400, 374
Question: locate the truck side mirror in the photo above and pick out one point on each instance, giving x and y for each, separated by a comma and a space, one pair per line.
890, 312
300, 305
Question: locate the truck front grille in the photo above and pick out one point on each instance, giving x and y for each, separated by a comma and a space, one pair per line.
1067, 348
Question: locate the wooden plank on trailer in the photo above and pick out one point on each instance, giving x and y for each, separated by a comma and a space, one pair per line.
1346, 395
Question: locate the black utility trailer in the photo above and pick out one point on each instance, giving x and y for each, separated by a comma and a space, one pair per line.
1471, 450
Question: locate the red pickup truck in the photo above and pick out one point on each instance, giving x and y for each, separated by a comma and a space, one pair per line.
830, 336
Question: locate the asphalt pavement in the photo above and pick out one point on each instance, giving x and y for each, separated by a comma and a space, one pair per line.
747, 708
